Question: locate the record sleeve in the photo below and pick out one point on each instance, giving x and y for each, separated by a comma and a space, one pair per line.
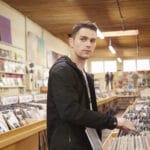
20, 116
3, 124
11, 119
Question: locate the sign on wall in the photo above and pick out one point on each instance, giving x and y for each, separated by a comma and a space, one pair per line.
5, 30
36, 52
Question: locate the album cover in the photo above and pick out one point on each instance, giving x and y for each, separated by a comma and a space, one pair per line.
25, 112
20, 116
33, 113
3, 124
11, 119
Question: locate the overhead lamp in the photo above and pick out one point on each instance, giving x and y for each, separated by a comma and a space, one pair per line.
100, 34
119, 59
121, 33
113, 51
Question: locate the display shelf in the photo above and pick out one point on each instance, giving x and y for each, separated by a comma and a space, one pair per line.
7, 87
17, 138
125, 100
4, 45
126, 96
11, 91
5, 72
12, 69
8, 59
106, 100
114, 132
108, 141
115, 102
105, 104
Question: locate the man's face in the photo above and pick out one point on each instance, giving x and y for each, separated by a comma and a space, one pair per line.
84, 43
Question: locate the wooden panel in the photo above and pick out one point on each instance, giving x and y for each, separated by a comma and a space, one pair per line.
108, 141
19, 134
29, 143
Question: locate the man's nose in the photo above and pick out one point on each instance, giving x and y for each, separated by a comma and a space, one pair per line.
88, 43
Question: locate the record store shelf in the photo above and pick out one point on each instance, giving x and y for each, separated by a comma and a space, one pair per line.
26, 137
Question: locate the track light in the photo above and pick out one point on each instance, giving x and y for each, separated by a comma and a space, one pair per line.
121, 33
100, 34
113, 51
119, 60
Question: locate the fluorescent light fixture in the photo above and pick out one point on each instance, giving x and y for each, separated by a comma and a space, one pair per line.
119, 60
120, 33
100, 34
112, 49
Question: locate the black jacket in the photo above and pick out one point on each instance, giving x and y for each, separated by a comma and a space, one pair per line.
68, 111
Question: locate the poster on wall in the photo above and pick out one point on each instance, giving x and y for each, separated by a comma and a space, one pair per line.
35, 49
51, 58
5, 30
131, 80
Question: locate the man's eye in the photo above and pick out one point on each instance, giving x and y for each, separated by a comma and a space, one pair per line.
83, 39
93, 41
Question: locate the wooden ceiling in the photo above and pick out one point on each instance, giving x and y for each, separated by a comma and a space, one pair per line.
58, 17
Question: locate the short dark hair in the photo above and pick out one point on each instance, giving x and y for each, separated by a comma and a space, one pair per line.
82, 24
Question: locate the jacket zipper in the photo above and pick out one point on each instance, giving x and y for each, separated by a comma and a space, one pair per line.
69, 139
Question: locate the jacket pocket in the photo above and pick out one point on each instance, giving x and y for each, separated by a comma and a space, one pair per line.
61, 138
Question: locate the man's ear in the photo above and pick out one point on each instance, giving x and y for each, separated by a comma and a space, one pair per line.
70, 41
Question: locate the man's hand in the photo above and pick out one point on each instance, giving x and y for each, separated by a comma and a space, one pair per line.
125, 124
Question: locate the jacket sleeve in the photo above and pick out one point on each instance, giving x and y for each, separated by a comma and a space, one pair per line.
66, 99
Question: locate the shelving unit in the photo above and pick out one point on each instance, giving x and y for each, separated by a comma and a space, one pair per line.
11, 60
12, 69
114, 134
105, 104
125, 100
106, 100
109, 140
26, 137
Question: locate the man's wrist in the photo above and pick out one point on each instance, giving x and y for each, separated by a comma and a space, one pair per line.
115, 123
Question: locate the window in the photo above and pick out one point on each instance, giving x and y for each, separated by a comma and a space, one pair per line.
143, 64
129, 65
97, 67
110, 66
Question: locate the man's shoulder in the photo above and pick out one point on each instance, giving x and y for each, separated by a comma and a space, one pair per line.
61, 66
63, 62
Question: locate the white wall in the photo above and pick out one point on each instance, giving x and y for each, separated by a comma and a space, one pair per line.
33, 27
54, 44
20, 25
17, 24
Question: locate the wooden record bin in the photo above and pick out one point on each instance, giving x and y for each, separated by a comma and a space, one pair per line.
105, 104
23, 138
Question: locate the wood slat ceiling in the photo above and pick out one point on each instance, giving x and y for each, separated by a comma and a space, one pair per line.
58, 17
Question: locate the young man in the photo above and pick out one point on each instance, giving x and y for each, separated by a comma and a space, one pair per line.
71, 105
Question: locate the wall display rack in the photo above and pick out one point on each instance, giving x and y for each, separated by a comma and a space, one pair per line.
17, 127
12, 69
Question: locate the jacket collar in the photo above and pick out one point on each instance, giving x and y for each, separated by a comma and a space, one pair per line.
68, 61
71, 63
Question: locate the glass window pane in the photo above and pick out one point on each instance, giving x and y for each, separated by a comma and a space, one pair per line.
97, 67
110, 66
129, 65
143, 64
